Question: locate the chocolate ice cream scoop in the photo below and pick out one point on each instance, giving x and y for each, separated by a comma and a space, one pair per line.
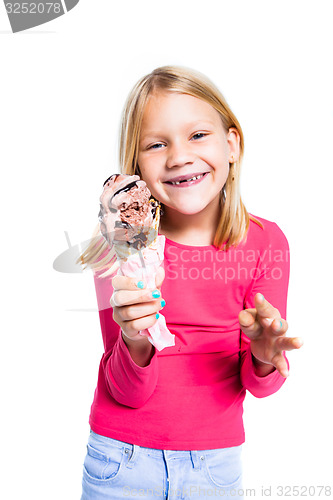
128, 216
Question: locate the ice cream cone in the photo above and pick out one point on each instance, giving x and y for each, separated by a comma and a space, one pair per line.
129, 221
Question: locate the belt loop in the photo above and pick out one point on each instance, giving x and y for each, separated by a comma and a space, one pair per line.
131, 451
195, 460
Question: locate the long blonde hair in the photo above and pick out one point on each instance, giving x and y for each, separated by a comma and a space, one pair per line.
234, 220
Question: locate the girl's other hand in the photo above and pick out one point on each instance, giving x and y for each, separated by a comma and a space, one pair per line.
135, 306
267, 331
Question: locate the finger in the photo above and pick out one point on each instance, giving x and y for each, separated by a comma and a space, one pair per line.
160, 275
129, 313
126, 283
289, 343
245, 315
248, 324
277, 326
264, 308
134, 326
280, 363
122, 298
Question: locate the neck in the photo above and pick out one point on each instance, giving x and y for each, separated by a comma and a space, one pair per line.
191, 229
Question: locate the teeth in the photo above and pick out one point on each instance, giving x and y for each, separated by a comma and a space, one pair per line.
188, 180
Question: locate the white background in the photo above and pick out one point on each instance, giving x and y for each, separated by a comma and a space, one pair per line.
62, 89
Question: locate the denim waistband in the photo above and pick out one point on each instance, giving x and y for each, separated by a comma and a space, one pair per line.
194, 455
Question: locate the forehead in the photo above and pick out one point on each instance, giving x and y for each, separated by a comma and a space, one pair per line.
175, 107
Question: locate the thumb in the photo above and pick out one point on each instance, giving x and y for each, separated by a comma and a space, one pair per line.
160, 275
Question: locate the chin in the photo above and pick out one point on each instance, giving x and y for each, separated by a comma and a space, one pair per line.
190, 210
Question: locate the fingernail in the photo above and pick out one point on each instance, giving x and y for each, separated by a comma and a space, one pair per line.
157, 316
140, 284
163, 303
262, 297
278, 326
156, 294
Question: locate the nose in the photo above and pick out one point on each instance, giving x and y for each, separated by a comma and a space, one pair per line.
179, 154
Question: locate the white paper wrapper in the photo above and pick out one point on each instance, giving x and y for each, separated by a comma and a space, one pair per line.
153, 256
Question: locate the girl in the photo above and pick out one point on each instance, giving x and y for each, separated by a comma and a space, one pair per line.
169, 424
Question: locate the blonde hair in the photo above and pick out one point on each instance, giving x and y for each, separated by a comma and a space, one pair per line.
234, 220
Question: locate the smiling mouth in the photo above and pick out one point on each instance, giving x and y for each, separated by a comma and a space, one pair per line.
194, 178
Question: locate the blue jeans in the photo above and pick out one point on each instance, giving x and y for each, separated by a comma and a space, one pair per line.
114, 470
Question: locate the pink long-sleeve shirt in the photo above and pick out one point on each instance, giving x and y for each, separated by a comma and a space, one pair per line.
190, 396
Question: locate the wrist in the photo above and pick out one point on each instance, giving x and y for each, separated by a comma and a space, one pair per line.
140, 349
262, 369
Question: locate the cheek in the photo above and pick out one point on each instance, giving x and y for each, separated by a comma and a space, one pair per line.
216, 154
144, 165
149, 170
146, 176
150, 180
220, 160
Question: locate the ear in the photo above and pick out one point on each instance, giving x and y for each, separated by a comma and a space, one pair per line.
233, 139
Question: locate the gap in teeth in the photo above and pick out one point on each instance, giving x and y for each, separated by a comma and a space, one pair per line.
188, 180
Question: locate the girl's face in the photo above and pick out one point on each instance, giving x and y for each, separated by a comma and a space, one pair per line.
182, 137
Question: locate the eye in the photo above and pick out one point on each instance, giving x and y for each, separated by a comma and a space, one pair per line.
155, 146
199, 135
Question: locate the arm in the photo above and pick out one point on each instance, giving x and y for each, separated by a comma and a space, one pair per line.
260, 355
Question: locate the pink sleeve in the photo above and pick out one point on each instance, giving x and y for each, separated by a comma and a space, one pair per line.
128, 383
271, 279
